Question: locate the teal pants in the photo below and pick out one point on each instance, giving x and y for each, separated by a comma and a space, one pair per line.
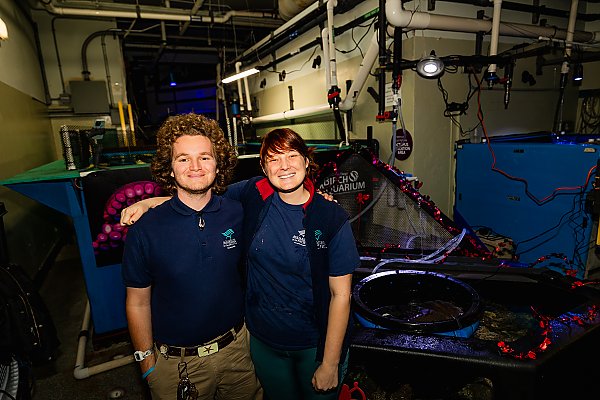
287, 375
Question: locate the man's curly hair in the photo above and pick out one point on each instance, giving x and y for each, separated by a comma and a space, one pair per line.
193, 125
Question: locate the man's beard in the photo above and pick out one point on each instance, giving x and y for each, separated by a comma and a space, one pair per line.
189, 190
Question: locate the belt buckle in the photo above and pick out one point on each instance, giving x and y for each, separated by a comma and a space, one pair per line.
208, 349
164, 350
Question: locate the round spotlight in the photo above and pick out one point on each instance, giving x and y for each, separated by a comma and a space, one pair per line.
430, 67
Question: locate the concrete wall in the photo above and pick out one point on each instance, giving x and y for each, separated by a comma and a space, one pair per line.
31, 116
25, 141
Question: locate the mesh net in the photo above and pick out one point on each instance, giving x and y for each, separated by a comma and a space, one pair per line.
386, 210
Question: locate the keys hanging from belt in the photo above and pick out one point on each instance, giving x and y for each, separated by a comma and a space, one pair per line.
186, 390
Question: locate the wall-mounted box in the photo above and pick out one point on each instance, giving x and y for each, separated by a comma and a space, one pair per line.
89, 97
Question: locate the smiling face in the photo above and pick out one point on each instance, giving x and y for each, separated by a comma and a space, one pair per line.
194, 164
286, 170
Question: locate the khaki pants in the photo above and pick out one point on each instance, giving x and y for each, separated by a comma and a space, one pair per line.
225, 375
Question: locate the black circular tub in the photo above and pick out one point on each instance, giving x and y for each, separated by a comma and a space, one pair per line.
416, 301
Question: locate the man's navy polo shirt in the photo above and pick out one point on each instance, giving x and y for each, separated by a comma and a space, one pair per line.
193, 271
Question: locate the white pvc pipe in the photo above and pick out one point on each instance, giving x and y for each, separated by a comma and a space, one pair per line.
291, 114
351, 97
247, 92
363, 73
284, 27
569, 40
331, 36
290, 8
495, 34
238, 66
398, 17
325, 41
165, 15
194, 10
81, 372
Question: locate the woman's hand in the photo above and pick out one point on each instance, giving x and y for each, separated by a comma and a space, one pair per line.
325, 377
132, 213
135, 211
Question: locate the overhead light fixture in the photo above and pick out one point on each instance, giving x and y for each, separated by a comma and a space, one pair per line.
3, 30
430, 67
240, 75
578, 73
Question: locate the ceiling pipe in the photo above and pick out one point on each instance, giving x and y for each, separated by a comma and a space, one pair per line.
363, 73
564, 71
333, 94
195, 8
396, 16
535, 10
569, 39
491, 76
290, 8
163, 37
283, 28
351, 97
159, 13
173, 47
292, 114
325, 46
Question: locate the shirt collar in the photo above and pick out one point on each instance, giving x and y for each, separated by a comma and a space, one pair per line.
214, 204
266, 189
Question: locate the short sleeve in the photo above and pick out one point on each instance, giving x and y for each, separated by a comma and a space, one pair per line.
235, 190
134, 267
343, 254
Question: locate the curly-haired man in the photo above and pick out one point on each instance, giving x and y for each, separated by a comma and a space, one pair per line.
181, 269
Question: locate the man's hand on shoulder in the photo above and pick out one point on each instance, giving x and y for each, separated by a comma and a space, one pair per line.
328, 196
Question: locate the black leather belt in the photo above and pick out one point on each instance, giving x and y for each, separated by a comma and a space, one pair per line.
203, 350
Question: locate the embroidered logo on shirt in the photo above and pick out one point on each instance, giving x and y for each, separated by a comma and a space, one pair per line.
320, 243
299, 239
229, 242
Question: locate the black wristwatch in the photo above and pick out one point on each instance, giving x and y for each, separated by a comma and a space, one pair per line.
142, 355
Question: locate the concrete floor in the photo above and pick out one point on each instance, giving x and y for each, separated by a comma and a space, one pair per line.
64, 294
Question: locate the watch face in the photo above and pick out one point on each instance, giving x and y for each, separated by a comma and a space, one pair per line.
141, 355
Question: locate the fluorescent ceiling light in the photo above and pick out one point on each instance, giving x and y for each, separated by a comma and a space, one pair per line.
240, 75
578, 73
3, 30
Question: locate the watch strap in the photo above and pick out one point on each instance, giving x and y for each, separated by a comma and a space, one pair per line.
142, 355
